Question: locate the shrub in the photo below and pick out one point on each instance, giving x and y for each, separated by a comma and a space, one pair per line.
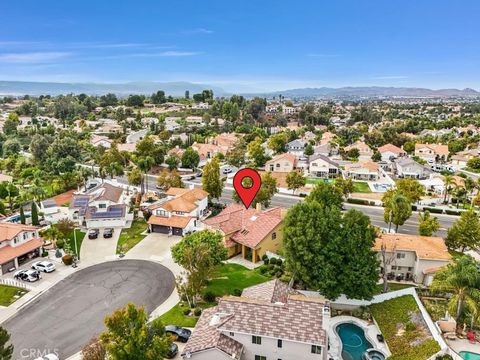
264, 257
444, 357
414, 207
358, 201
266, 261
279, 262
263, 269
60, 243
209, 296
237, 292
67, 259
433, 210
44, 253
186, 311
273, 261
197, 312
452, 212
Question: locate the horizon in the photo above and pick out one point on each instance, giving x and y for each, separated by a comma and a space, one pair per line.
262, 47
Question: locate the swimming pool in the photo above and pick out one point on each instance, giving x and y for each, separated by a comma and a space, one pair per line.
467, 355
354, 343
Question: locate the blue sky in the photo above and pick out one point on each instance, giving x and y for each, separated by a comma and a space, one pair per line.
244, 45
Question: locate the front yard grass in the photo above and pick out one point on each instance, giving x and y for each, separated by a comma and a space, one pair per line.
132, 236
175, 316
392, 287
404, 329
10, 294
361, 187
71, 240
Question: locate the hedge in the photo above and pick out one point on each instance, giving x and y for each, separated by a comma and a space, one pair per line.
358, 201
452, 212
433, 210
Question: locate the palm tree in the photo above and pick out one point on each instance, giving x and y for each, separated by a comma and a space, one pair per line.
462, 280
84, 173
447, 182
145, 164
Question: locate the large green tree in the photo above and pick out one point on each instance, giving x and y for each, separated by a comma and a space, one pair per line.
465, 233
427, 224
295, 180
411, 188
397, 208
326, 194
211, 180
190, 158
6, 350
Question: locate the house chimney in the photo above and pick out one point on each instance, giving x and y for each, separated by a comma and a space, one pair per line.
259, 208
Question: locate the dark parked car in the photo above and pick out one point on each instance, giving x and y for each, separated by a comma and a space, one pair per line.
108, 233
178, 332
93, 233
172, 351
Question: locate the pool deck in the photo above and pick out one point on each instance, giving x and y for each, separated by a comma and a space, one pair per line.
463, 345
370, 329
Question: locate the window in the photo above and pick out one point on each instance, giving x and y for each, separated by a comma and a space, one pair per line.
401, 256
102, 206
274, 236
279, 343
278, 165
259, 357
410, 268
316, 349
162, 213
232, 334
256, 340
394, 267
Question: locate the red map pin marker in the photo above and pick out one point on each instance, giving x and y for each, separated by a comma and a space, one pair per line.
247, 194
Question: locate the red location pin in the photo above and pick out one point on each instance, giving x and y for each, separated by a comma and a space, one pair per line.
247, 194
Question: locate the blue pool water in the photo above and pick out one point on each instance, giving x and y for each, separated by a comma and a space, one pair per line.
354, 343
467, 355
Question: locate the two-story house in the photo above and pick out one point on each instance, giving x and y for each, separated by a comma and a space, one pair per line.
250, 232
269, 321
432, 152
390, 152
412, 257
363, 170
408, 168
18, 244
180, 212
282, 163
105, 205
322, 167
296, 147
363, 149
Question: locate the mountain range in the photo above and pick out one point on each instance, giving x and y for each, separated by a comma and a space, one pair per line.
18, 88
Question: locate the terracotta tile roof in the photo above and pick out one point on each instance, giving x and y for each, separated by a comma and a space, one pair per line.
126, 147
63, 198
9, 230
246, 226
426, 247
392, 148
286, 156
271, 291
8, 252
433, 270
361, 146
106, 191
173, 221
363, 164
184, 201
436, 148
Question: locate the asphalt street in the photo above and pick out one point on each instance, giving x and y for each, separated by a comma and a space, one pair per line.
375, 213
69, 314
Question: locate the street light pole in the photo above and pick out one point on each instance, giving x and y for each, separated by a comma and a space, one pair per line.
75, 240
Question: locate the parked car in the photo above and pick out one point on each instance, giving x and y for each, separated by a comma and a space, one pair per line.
227, 171
93, 233
108, 233
178, 332
45, 266
172, 352
27, 275
48, 357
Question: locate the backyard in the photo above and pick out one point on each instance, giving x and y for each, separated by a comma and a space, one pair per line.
229, 279
131, 236
404, 329
392, 287
361, 187
9, 294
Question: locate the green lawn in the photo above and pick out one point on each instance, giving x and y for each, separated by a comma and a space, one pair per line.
175, 316
231, 277
361, 187
317, 181
71, 240
8, 293
416, 342
392, 287
132, 236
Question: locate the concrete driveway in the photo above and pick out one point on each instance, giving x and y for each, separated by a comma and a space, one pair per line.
94, 251
69, 314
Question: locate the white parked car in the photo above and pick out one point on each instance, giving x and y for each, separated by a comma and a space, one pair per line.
45, 266
48, 357
386, 231
27, 275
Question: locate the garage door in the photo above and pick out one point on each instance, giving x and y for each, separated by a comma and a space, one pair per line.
7, 266
177, 231
160, 229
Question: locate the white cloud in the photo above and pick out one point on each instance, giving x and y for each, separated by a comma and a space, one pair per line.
33, 57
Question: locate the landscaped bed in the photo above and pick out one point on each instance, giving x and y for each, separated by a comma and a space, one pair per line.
71, 240
9, 294
404, 329
131, 236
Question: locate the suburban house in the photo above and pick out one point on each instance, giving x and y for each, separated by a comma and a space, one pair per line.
208, 151
282, 163
431, 152
327, 137
409, 168
363, 149
390, 151
412, 257
296, 147
250, 232
327, 149
195, 120
100, 140
180, 212
460, 159
130, 148
289, 110
268, 321
18, 244
363, 170
322, 167
105, 205
171, 123
225, 140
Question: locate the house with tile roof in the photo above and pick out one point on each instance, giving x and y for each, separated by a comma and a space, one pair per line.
460, 159
282, 163
363, 149
410, 169
390, 151
363, 170
413, 257
268, 321
432, 152
18, 244
105, 205
179, 212
249, 232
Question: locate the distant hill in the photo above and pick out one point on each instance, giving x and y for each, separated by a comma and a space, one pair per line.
52, 88
372, 91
